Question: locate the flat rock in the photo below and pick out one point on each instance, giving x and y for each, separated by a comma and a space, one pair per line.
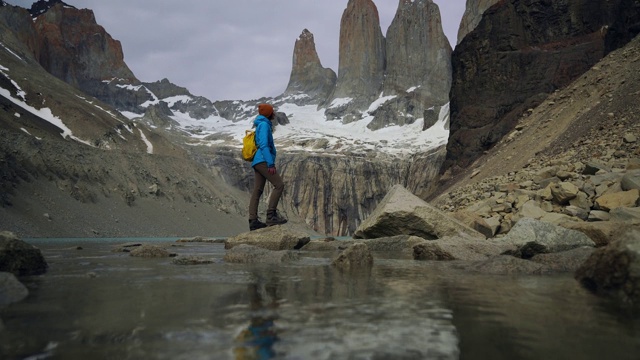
270, 238
151, 251
249, 254
191, 260
508, 265
565, 261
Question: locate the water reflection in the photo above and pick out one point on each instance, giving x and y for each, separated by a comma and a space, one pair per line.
256, 341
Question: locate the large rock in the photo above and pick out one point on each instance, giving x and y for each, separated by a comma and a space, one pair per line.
11, 290
456, 248
400, 243
631, 180
361, 57
565, 261
520, 52
402, 213
614, 270
307, 74
614, 200
530, 237
248, 254
354, 257
19, 257
601, 232
270, 238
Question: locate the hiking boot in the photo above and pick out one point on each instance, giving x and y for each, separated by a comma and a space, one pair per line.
256, 224
273, 218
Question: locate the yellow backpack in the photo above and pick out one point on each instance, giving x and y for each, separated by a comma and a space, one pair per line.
249, 145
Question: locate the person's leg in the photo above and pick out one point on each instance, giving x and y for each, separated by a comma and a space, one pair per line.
278, 187
258, 189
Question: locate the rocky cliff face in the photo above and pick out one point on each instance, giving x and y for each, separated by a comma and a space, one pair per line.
418, 64
307, 75
78, 50
472, 16
520, 52
361, 60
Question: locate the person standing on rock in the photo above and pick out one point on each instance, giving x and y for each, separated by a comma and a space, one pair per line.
264, 167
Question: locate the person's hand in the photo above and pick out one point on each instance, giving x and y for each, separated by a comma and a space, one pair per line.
272, 170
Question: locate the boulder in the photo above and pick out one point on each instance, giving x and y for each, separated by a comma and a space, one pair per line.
456, 248
394, 243
564, 192
530, 237
270, 238
475, 221
402, 213
631, 180
19, 257
355, 256
11, 290
249, 254
629, 215
611, 201
564, 261
601, 232
328, 244
151, 251
614, 270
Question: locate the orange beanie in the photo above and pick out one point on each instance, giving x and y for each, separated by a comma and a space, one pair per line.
265, 110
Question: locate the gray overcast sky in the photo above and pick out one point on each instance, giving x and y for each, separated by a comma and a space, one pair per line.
230, 49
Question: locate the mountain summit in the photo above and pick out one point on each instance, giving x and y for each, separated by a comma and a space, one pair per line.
307, 75
42, 6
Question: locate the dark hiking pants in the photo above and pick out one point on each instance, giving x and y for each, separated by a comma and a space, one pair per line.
261, 176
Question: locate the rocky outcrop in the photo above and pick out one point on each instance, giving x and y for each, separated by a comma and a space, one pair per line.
308, 77
77, 50
472, 16
361, 61
151, 251
418, 65
402, 213
19, 23
499, 71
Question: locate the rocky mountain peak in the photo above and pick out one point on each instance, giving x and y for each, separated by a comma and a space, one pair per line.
418, 65
307, 75
42, 6
74, 48
362, 55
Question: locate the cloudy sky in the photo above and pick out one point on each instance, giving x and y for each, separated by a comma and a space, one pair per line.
230, 49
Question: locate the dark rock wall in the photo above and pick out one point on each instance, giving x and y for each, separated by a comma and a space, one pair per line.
520, 52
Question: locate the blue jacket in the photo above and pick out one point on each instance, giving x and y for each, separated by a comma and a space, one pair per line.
264, 142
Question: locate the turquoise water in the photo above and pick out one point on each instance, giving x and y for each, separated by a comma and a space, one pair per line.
94, 303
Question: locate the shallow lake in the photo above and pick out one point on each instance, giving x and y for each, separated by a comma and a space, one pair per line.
97, 304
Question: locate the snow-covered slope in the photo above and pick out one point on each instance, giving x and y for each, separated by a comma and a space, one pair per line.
309, 129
